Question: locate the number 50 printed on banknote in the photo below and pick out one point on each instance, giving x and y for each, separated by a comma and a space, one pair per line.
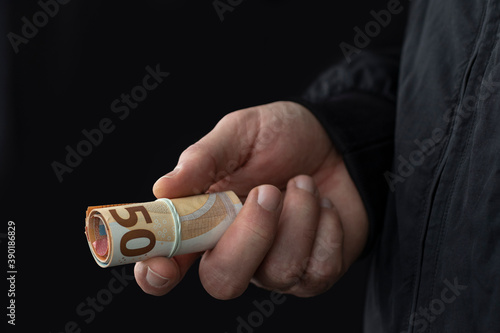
126, 233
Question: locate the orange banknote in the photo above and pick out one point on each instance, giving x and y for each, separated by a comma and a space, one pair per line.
126, 233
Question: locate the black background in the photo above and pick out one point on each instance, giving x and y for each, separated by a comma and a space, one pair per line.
64, 80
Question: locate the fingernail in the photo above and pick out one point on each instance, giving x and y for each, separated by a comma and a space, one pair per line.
326, 203
155, 279
305, 183
269, 198
172, 173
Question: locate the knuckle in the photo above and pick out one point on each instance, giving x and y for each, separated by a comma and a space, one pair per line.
225, 293
262, 231
324, 274
312, 289
318, 278
219, 285
192, 149
282, 277
235, 118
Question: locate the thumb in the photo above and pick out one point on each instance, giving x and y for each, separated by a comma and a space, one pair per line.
208, 161
192, 175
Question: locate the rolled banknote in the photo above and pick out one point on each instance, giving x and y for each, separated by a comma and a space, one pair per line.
127, 233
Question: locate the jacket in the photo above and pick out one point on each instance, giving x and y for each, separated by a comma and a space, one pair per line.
418, 129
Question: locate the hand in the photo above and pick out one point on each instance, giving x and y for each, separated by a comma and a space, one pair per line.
298, 234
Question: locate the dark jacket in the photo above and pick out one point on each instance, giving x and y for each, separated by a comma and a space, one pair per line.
422, 125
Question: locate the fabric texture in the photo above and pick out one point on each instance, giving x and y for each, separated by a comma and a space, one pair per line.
424, 151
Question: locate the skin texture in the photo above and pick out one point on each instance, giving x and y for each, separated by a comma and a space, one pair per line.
302, 223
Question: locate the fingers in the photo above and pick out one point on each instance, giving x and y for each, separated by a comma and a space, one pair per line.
226, 270
294, 247
326, 263
284, 263
157, 276
306, 256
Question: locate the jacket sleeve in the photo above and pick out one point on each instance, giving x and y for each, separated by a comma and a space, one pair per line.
356, 104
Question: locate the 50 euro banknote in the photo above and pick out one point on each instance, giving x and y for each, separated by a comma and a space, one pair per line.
126, 233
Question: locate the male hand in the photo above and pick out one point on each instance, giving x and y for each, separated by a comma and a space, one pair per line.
298, 234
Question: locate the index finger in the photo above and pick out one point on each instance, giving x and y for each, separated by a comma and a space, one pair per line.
225, 271
211, 159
